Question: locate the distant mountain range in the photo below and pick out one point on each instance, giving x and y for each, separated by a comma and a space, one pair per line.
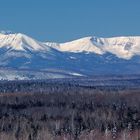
22, 57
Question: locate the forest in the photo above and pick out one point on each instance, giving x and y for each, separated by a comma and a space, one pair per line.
71, 109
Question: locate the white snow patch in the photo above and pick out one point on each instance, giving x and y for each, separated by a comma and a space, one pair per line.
74, 58
75, 74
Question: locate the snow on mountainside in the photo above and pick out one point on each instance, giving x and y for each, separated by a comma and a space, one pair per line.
84, 44
20, 42
13, 74
26, 58
122, 47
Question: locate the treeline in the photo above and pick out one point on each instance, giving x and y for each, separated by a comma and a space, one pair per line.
101, 83
66, 111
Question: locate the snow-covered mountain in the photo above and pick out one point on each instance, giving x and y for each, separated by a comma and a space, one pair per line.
22, 57
122, 47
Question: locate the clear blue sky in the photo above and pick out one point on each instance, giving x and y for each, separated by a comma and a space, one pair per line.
64, 20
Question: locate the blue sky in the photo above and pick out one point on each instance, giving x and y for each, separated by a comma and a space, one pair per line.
65, 20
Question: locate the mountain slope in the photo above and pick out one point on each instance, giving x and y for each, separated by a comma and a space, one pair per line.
122, 47
27, 58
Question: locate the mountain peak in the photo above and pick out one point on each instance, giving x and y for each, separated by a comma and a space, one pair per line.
122, 47
80, 45
20, 42
85, 56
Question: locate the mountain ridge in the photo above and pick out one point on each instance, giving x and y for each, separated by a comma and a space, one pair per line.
83, 57
122, 47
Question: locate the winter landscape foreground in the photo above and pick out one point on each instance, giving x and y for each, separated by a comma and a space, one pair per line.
87, 89
102, 108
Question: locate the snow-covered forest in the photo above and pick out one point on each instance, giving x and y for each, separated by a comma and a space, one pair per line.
69, 110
